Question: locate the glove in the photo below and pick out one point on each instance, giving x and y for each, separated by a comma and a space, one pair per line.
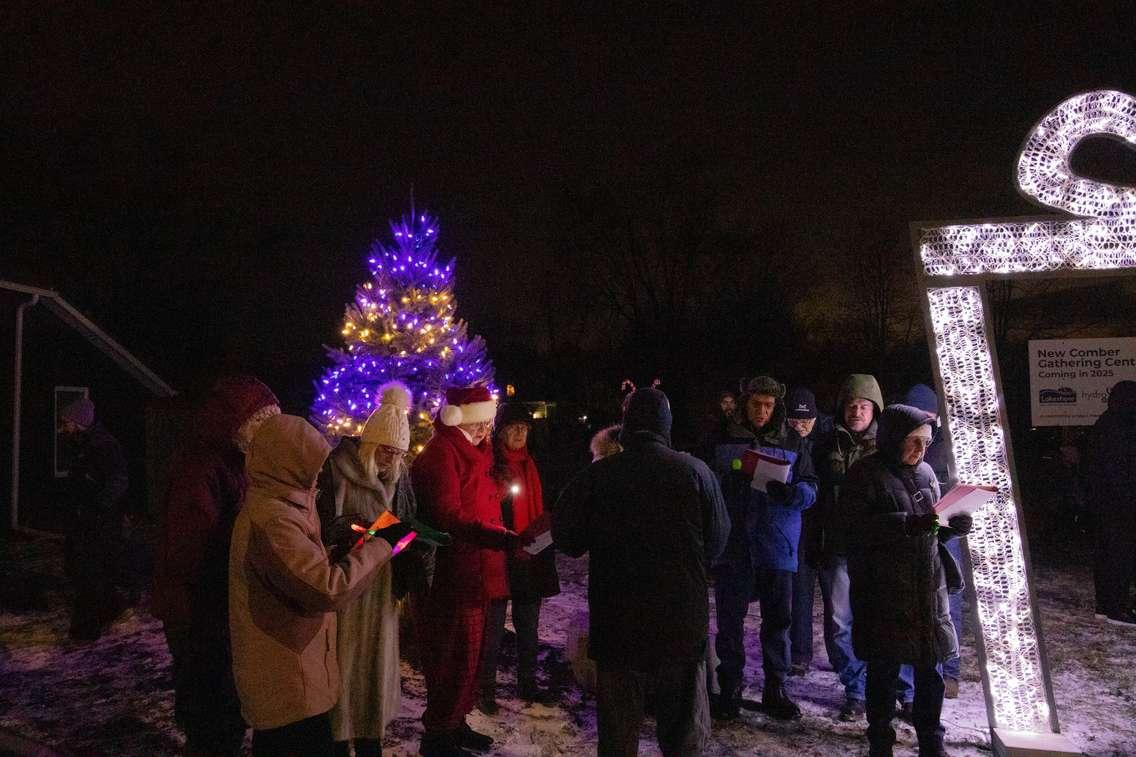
393, 533
778, 491
922, 523
960, 524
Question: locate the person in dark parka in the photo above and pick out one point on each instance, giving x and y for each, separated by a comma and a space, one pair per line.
652, 520
98, 481
1112, 495
899, 576
761, 555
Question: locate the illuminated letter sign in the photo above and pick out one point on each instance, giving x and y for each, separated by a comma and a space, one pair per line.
955, 260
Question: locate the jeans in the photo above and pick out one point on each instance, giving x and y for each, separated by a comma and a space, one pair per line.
682, 711
880, 706
310, 737
732, 593
801, 632
838, 628
526, 619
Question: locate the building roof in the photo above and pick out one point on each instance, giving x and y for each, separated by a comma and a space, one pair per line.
70, 315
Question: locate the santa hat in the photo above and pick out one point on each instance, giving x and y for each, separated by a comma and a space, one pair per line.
388, 425
469, 404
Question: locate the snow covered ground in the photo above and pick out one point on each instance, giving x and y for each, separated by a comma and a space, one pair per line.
114, 696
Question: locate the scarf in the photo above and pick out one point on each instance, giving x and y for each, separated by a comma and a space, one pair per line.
528, 503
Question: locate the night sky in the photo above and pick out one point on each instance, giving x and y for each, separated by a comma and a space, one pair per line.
205, 184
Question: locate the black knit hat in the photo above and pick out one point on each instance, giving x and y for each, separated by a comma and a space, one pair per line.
510, 413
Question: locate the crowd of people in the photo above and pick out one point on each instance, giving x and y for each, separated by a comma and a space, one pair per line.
284, 565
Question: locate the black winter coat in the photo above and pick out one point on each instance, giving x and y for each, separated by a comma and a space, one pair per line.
898, 581
1112, 468
99, 476
652, 519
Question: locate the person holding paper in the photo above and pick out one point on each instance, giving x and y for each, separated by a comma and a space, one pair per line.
456, 494
651, 521
284, 592
530, 577
901, 576
362, 478
858, 406
765, 503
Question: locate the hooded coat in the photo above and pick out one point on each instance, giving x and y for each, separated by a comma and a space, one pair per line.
652, 520
898, 580
370, 685
283, 592
833, 459
766, 531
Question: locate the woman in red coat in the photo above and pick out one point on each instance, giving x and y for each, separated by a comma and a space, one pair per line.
456, 494
530, 577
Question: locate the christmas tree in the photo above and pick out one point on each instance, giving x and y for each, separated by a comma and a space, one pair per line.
401, 326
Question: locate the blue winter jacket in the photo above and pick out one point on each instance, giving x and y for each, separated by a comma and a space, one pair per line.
766, 531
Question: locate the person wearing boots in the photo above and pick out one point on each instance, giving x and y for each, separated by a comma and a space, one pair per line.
761, 555
97, 483
531, 578
651, 520
858, 406
456, 494
815, 428
363, 478
901, 575
284, 591
191, 572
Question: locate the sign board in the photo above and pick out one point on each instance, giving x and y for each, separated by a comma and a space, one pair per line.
1070, 378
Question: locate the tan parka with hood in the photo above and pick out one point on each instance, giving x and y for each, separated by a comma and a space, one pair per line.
283, 593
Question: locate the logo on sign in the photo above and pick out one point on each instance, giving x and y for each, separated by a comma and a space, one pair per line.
1061, 396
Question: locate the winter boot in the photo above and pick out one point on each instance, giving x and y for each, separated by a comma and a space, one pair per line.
727, 705
441, 745
468, 738
852, 710
777, 704
530, 691
487, 703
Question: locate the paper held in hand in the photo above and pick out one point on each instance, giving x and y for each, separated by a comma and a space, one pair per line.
963, 499
540, 530
765, 468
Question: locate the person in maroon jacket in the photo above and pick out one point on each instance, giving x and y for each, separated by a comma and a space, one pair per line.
207, 484
455, 493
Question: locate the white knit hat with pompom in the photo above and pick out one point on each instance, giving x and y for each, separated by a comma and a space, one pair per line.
389, 425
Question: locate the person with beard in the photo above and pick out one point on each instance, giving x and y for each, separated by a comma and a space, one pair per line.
761, 554
97, 483
457, 494
284, 591
901, 576
363, 478
651, 520
531, 577
191, 593
858, 406
1112, 495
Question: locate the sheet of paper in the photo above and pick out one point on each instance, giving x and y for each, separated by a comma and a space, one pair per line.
542, 542
963, 499
766, 470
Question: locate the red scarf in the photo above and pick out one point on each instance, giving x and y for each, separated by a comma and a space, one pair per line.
528, 503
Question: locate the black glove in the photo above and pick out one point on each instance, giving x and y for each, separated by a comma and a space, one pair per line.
917, 524
960, 524
778, 491
393, 533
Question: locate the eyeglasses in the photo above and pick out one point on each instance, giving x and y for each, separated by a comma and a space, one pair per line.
390, 451
921, 442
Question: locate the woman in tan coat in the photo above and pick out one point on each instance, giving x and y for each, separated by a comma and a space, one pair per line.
284, 591
363, 478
